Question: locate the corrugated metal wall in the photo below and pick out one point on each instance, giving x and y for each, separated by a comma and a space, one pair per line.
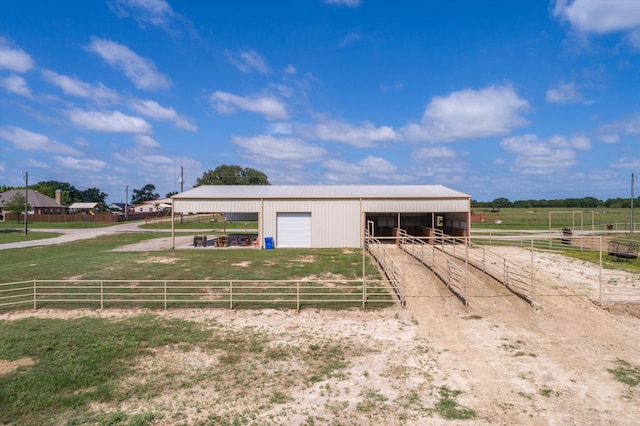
216, 206
334, 223
415, 206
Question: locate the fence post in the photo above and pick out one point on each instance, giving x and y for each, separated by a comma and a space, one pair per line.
230, 294
364, 292
101, 295
298, 296
165, 295
600, 274
35, 294
533, 282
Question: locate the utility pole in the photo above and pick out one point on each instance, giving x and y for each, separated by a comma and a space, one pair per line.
633, 180
181, 179
26, 202
126, 202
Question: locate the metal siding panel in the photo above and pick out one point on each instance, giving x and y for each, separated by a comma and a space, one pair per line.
334, 223
217, 206
415, 206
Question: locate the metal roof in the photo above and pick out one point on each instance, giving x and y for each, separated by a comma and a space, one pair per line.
84, 205
319, 192
36, 199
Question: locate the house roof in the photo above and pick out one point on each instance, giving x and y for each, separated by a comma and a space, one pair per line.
84, 205
35, 199
319, 191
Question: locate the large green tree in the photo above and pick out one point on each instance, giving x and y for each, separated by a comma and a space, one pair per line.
233, 175
70, 193
146, 193
16, 205
94, 194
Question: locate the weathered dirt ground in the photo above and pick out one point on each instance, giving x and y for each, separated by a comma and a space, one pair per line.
512, 363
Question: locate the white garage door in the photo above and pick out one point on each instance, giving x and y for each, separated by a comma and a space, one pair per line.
293, 229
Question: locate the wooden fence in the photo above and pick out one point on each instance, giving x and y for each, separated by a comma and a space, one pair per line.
194, 294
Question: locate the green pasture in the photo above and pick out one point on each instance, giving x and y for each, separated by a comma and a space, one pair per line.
94, 259
33, 224
16, 235
538, 218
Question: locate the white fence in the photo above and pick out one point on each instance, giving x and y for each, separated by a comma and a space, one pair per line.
194, 293
390, 268
454, 277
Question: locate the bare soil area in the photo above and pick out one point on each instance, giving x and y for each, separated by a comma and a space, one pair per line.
499, 361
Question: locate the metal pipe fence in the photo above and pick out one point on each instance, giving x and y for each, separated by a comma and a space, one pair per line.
454, 277
390, 268
193, 293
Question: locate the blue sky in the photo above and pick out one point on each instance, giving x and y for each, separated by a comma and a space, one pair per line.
515, 99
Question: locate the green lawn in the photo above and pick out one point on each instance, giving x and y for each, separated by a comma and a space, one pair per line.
54, 225
538, 218
15, 235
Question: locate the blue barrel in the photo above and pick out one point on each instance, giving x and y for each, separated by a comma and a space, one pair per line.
268, 243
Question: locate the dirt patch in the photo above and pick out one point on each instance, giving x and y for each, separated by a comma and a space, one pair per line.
243, 264
159, 259
508, 362
7, 366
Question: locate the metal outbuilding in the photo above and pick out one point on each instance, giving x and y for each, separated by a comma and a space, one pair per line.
333, 215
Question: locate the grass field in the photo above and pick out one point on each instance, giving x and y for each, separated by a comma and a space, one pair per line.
15, 235
538, 218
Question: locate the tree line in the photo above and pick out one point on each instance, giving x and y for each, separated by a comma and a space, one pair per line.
575, 203
222, 175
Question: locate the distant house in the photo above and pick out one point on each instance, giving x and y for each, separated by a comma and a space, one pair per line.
117, 207
160, 205
84, 207
40, 203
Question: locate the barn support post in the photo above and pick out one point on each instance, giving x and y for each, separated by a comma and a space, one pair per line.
101, 295
165, 295
173, 225
298, 296
35, 294
230, 294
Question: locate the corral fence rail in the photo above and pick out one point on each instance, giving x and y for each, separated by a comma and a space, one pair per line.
609, 285
391, 269
193, 293
517, 278
454, 277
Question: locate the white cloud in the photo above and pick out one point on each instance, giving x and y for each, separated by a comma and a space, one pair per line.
75, 87
269, 106
599, 17
627, 163
351, 38
290, 70
14, 59
154, 12
349, 3
470, 114
365, 135
15, 84
30, 141
110, 122
142, 72
73, 163
154, 110
146, 141
441, 152
370, 168
248, 61
612, 132
566, 93
267, 148
535, 156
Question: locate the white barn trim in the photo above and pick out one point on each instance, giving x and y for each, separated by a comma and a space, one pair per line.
336, 214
